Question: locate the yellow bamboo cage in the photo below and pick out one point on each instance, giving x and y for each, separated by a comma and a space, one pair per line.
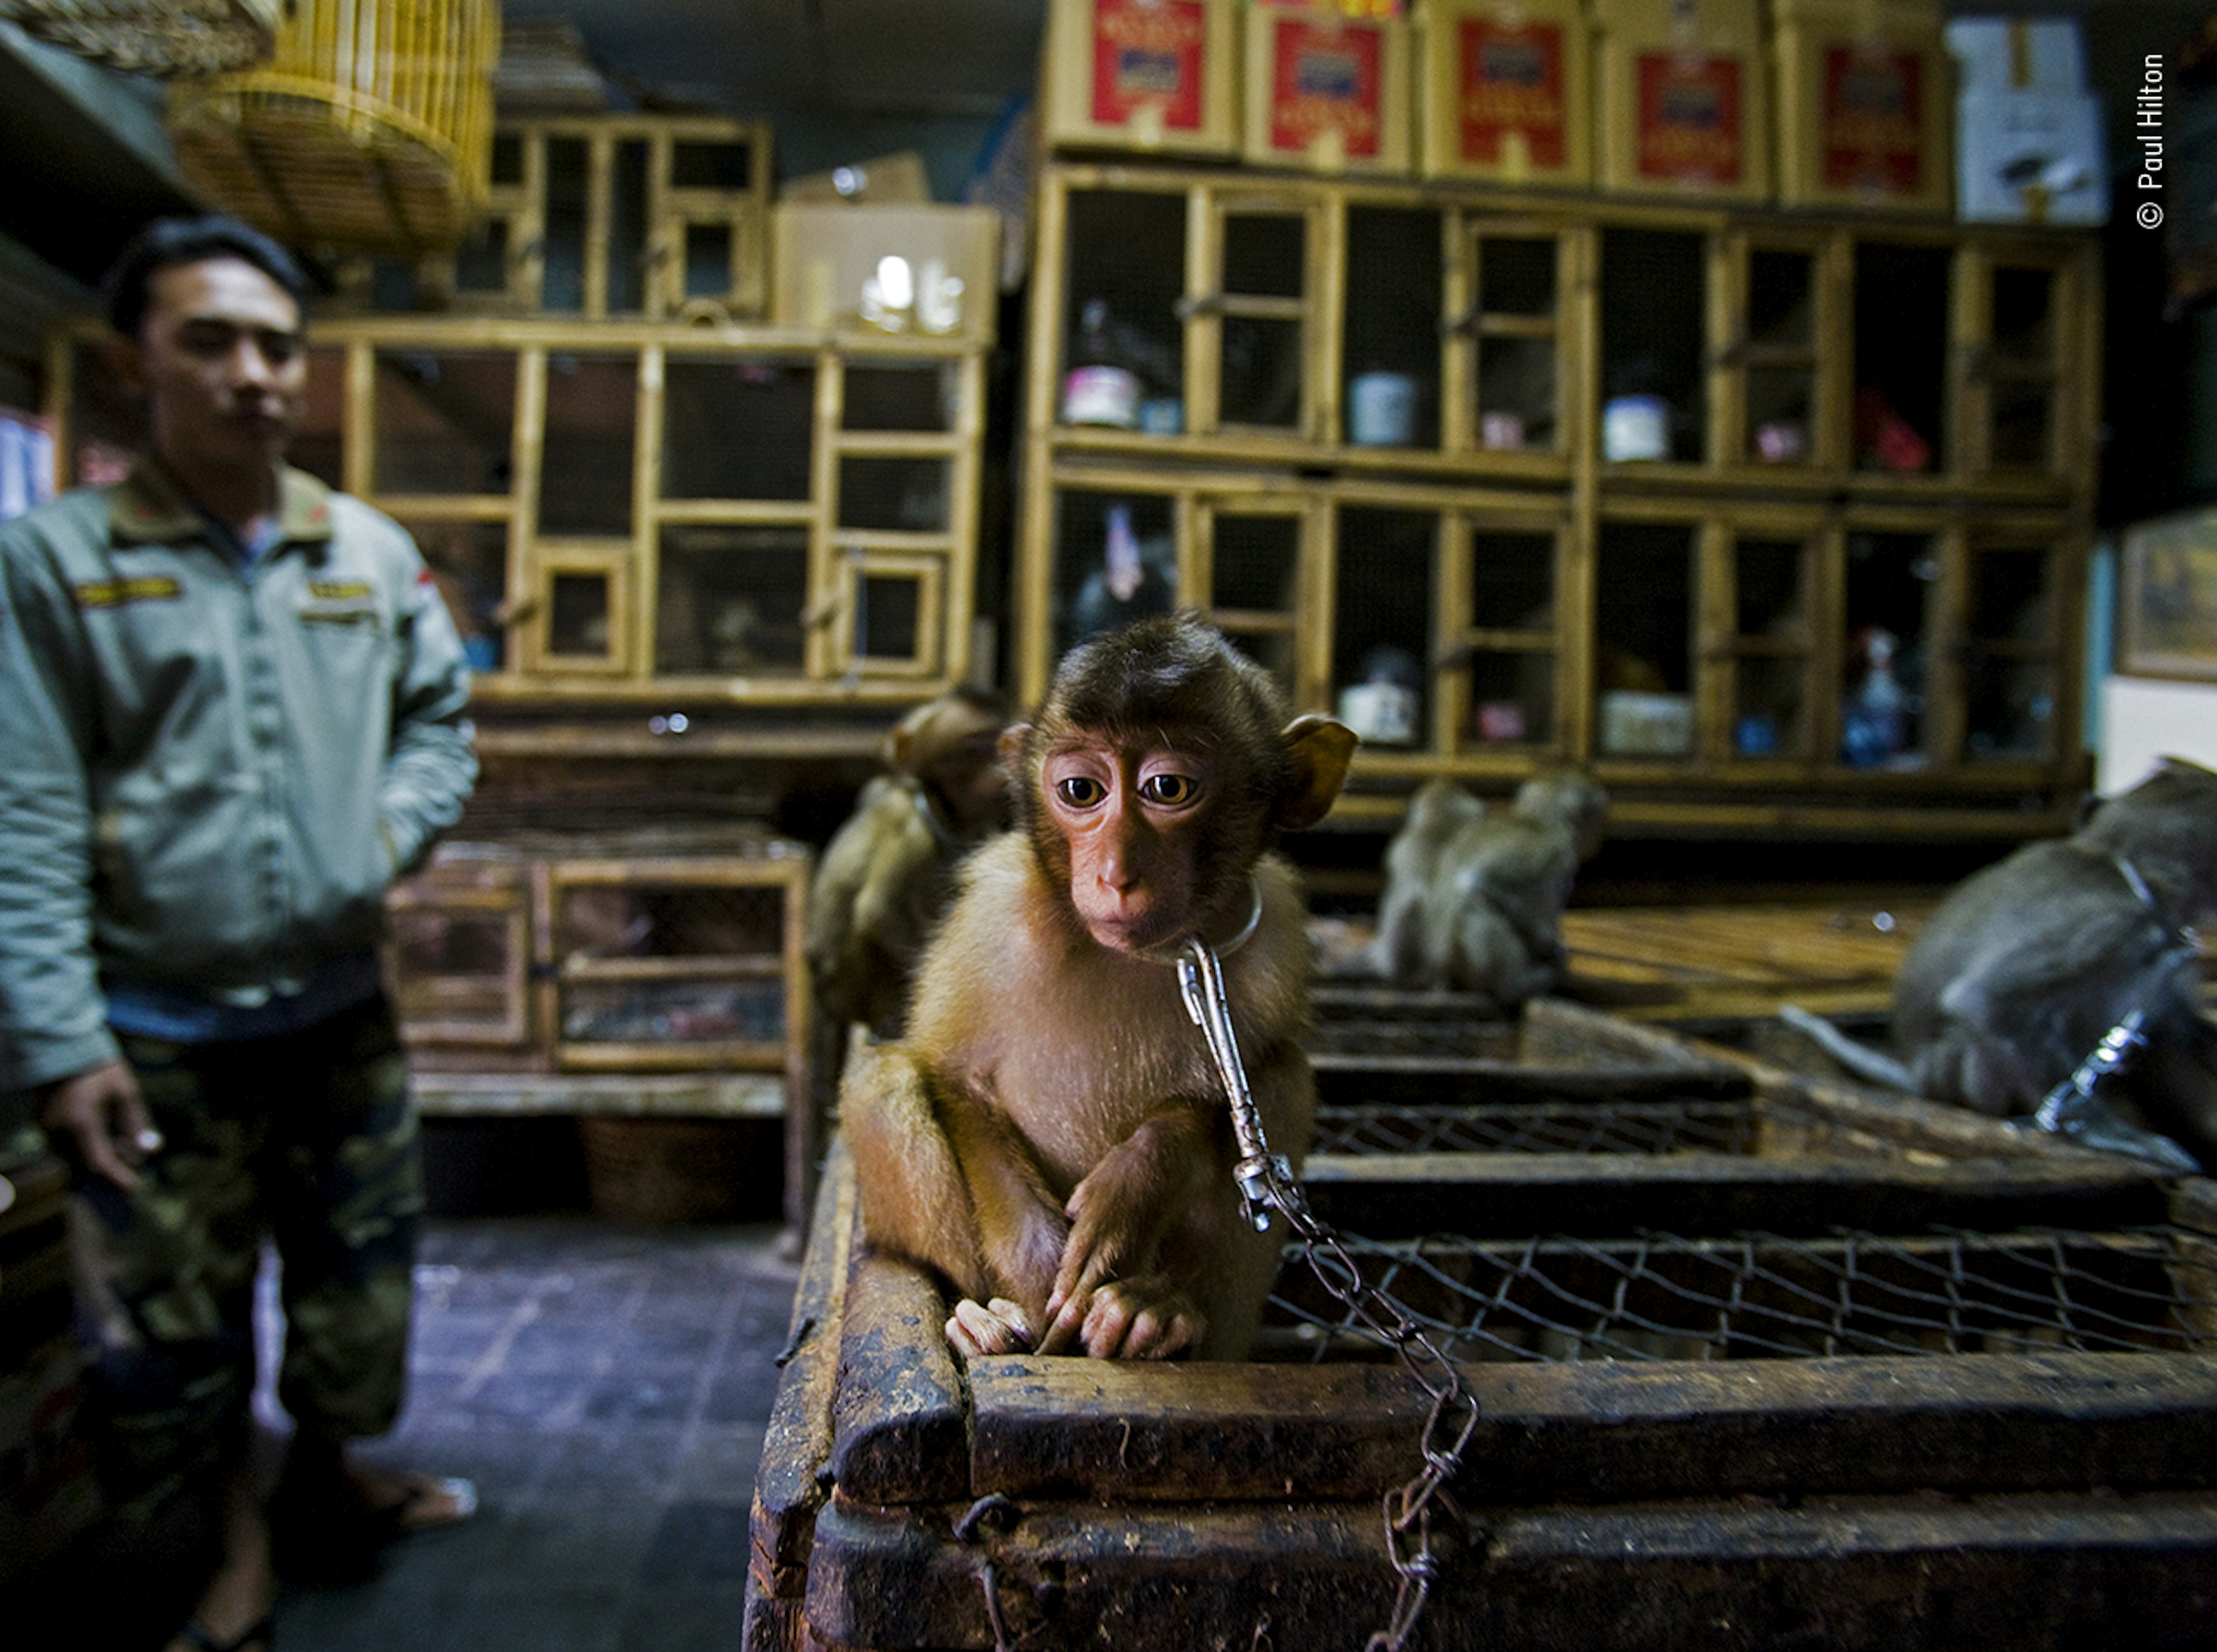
369, 129
152, 37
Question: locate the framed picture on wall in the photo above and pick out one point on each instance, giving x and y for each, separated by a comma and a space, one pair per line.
2167, 619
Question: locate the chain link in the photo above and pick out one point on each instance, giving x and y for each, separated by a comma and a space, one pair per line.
1267, 1183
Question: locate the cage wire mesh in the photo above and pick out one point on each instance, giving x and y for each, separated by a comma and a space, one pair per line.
1759, 1296
1615, 1127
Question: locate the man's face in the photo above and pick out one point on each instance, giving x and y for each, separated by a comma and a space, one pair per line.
220, 360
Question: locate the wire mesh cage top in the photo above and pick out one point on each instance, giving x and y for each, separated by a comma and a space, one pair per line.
153, 37
369, 129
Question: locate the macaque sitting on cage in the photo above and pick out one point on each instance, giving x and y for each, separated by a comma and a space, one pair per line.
888, 873
2030, 964
1475, 897
1052, 1136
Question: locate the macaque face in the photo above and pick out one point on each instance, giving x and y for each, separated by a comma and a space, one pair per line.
1133, 815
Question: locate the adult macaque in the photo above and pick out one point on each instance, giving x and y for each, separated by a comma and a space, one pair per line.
888, 873
1052, 1136
1475, 897
2024, 968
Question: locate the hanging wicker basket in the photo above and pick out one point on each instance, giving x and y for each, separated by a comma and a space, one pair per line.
369, 130
152, 37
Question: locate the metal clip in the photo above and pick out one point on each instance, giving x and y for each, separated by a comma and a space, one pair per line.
1264, 1178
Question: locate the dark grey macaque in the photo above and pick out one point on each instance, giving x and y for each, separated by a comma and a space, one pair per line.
1439, 811
1475, 897
2027, 966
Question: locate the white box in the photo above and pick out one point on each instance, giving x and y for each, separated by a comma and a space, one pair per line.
2030, 158
1635, 725
2001, 54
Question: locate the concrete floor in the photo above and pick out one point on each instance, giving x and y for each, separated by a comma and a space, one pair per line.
607, 1387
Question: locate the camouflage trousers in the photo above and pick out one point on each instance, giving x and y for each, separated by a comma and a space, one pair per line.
308, 1140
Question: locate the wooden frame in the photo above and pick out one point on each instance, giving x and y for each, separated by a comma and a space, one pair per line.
2168, 606
1962, 502
644, 223
785, 876
1628, 1503
804, 501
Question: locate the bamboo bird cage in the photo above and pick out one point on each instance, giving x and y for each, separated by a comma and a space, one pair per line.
368, 130
152, 37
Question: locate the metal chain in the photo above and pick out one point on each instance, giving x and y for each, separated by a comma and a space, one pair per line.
1267, 1183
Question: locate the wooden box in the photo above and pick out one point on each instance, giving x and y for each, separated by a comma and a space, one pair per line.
1865, 105
1159, 75
826, 269
1749, 1418
1325, 90
1685, 99
1506, 92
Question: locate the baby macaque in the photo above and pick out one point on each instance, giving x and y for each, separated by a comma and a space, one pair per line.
888, 873
1475, 897
1052, 1136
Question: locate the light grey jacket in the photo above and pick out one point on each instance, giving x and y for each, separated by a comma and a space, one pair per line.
207, 781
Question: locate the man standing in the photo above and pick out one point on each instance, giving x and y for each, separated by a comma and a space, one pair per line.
235, 713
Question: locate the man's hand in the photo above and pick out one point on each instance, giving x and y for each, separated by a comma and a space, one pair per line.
96, 1119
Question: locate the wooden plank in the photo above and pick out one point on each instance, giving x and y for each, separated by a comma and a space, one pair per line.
793, 1479
901, 1422
1887, 1575
1124, 1432
687, 1095
1506, 1195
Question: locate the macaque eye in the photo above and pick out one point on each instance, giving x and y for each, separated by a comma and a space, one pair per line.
1172, 791
1080, 790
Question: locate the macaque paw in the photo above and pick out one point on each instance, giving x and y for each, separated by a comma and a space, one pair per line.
997, 1327
1142, 1318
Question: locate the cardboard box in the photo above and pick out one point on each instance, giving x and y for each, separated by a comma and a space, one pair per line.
2030, 158
1156, 75
1326, 90
1684, 100
1999, 54
1506, 91
1865, 105
827, 272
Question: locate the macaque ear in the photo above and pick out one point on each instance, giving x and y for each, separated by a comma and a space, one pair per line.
1321, 749
899, 749
1012, 747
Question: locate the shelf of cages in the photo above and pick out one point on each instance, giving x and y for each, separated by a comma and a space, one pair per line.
597, 217
635, 952
1771, 650
617, 511
1455, 329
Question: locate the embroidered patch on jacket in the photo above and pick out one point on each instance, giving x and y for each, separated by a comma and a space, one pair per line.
114, 593
340, 590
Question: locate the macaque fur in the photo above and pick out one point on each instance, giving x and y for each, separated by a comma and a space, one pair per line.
888, 873
1052, 1136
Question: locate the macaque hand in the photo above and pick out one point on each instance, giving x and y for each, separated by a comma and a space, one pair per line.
996, 1326
1145, 1317
1118, 1216
97, 1119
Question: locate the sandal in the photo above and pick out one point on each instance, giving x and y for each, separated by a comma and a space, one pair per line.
336, 1539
